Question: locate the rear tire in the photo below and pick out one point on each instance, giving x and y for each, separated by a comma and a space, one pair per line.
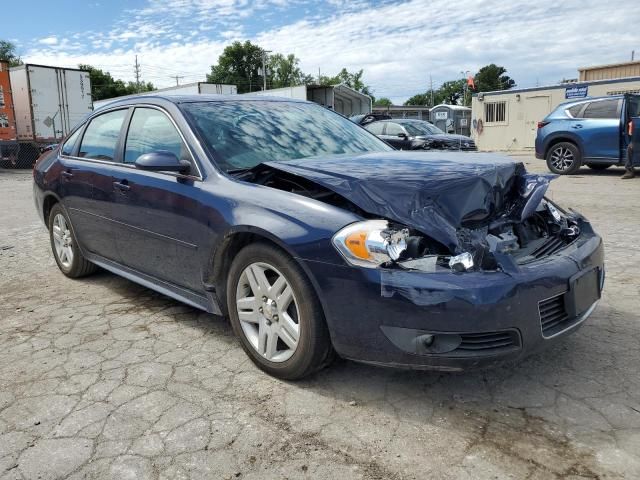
564, 158
598, 166
64, 245
283, 331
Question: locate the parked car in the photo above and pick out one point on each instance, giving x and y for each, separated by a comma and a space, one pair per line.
588, 132
315, 237
406, 134
365, 118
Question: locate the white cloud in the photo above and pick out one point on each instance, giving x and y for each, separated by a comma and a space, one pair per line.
48, 41
399, 45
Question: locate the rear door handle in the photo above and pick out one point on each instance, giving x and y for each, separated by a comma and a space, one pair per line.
123, 187
577, 126
67, 175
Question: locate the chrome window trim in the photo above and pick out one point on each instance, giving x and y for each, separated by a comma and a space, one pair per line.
199, 177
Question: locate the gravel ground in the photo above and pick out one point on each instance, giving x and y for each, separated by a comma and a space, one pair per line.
101, 378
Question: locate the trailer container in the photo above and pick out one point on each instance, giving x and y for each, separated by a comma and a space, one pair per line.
47, 103
8, 135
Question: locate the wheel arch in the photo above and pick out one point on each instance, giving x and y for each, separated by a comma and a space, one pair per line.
235, 240
564, 138
48, 201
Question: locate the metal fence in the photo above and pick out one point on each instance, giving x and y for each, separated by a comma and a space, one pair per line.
20, 155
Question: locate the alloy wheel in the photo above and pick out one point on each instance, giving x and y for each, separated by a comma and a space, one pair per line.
63, 241
268, 312
562, 158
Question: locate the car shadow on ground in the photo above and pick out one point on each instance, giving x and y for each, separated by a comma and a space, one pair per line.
346, 379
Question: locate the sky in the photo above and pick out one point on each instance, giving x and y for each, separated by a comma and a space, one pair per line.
400, 45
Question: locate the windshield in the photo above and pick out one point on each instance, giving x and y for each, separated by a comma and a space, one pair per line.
244, 133
416, 129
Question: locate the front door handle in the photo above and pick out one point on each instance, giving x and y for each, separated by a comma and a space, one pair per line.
123, 187
66, 175
577, 126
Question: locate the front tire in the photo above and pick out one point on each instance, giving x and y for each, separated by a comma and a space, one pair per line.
564, 158
276, 314
65, 246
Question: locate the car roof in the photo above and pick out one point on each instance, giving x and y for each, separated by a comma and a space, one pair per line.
178, 99
590, 99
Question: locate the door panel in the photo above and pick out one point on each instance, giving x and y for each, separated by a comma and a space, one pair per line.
157, 227
87, 195
600, 129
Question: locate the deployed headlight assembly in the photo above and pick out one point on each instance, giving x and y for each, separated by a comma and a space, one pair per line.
370, 243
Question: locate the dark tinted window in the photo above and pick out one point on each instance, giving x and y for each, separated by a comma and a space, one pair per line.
394, 129
633, 107
244, 133
101, 136
575, 110
602, 109
152, 131
375, 128
67, 148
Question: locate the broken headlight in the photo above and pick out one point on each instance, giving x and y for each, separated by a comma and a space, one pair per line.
370, 243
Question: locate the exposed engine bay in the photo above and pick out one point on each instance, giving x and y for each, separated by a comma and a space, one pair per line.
518, 226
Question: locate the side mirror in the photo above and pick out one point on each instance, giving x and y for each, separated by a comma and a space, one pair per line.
162, 161
402, 135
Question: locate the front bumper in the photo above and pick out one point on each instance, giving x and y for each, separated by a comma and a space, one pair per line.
386, 316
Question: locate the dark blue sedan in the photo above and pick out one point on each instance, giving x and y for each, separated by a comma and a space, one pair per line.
316, 238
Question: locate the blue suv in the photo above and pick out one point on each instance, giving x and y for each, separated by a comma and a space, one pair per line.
589, 131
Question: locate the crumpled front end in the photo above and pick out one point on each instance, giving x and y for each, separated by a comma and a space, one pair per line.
456, 263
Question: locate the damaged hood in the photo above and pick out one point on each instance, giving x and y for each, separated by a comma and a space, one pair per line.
432, 192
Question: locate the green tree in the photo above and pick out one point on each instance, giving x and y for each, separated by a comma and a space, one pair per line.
103, 85
421, 99
285, 72
383, 102
492, 77
451, 92
8, 53
238, 65
352, 80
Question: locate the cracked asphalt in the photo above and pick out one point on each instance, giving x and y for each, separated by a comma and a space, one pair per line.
101, 378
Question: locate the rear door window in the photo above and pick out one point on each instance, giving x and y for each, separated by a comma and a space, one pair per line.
602, 109
100, 139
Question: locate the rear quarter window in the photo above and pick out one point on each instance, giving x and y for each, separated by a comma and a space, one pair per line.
575, 110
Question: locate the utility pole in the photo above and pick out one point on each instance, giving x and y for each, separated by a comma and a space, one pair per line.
137, 72
264, 68
431, 89
318, 75
177, 77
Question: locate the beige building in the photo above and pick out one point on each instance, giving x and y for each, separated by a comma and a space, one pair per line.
607, 72
508, 119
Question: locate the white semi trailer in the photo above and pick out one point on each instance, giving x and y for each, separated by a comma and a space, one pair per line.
47, 103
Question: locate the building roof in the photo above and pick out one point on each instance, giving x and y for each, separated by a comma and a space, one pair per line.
561, 85
610, 65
